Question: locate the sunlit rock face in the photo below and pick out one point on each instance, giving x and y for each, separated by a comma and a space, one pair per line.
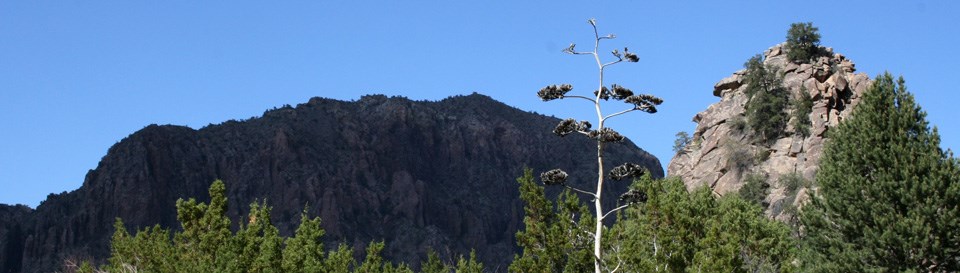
834, 87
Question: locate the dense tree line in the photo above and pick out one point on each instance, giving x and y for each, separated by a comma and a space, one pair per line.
207, 244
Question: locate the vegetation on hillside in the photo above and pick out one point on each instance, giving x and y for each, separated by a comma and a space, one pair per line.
207, 244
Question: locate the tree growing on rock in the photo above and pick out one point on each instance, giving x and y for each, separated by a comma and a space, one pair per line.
888, 196
768, 100
803, 42
603, 136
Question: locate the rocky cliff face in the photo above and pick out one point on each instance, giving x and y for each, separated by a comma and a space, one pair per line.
830, 82
413, 173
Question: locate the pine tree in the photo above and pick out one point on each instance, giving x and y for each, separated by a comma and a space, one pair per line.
434, 264
304, 251
803, 42
206, 232
340, 260
469, 265
888, 194
550, 240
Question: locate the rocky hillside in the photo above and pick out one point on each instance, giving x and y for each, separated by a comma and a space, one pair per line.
416, 174
721, 156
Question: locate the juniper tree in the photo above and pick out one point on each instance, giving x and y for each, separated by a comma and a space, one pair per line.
602, 135
888, 197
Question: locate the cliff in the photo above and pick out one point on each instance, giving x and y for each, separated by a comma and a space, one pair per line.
416, 174
721, 157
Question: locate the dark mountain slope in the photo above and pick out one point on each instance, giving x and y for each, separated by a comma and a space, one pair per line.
415, 174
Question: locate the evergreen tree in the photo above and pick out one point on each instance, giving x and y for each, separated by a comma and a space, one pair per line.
340, 260
768, 100
373, 263
206, 232
304, 251
469, 265
551, 240
803, 42
888, 194
434, 264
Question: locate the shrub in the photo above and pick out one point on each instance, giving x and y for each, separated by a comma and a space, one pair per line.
802, 105
755, 189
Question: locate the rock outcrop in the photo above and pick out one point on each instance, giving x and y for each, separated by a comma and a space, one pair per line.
415, 174
717, 146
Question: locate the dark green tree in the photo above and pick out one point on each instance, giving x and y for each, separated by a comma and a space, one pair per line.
768, 100
888, 194
554, 238
803, 42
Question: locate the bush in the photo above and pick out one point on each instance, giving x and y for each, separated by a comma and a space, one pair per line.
739, 158
803, 42
755, 188
802, 105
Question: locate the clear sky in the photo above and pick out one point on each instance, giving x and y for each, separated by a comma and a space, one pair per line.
78, 76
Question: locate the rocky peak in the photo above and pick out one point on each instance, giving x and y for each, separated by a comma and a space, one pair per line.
721, 157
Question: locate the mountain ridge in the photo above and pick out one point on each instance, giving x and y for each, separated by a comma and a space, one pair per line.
416, 174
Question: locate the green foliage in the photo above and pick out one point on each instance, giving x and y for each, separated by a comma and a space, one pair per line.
803, 42
206, 244
340, 260
767, 100
738, 124
683, 139
553, 239
739, 158
433, 264
469, 265
802, 105
304, 251
755, 189
888, 194
792, 182
680, 231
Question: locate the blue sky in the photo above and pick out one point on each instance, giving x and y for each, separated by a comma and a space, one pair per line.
78, 76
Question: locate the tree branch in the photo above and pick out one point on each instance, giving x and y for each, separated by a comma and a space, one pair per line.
581, 191
614, 210
613, 62
581, 97
619, 113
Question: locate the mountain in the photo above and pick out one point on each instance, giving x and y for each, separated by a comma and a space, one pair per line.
415, 174
721, 157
